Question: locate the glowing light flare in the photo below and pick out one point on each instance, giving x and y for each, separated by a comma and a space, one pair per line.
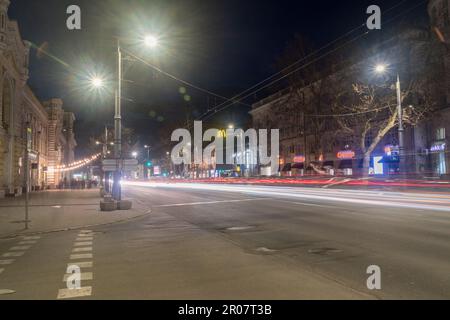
151, 41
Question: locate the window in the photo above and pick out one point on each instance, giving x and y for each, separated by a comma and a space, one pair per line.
440, 134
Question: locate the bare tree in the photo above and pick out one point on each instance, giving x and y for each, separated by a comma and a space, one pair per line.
371, 110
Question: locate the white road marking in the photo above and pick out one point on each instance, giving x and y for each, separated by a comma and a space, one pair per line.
85, 264
83, 275
85, 249
6, 291
5, 262
85, 234
1, 270
85, 231
81, 256
13, 254
311, 204
74, 293
31, 238
80, 244
85, 239
18, 248
28, 242
208, 202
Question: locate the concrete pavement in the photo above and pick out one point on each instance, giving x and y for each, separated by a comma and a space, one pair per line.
59, 210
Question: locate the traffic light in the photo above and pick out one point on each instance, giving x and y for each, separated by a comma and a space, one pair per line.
148, 164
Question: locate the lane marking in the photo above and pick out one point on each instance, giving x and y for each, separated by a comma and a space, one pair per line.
85, 249
84, 264
311, 204
83, 276
5, 262
81, 256
1, 270
6, 291
18, 248
85, 235
28, 242
13, 254
85, 231
31, 238
83, 239
208, 202
74, 293
80, 244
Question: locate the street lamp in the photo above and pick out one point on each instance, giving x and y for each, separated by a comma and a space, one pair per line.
148, 151
381, 69
134, 154
151, 41
97, 82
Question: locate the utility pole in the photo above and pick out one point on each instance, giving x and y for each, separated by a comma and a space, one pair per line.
117, 192
401, 129
27, 172
305, 164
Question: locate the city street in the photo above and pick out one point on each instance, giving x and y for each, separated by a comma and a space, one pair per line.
205, 241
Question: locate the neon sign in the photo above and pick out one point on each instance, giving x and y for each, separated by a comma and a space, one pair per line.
347, 154
438, 147
299, 159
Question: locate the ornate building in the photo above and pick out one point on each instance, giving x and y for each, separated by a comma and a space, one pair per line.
51, 137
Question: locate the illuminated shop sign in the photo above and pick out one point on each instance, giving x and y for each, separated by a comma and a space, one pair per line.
391, 150
347, 154
299, 159
438, 147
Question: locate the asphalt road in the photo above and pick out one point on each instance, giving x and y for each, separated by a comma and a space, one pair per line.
244, 242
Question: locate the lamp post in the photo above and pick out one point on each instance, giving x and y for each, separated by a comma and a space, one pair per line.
117, 190
381, 69
150, 41
148, 151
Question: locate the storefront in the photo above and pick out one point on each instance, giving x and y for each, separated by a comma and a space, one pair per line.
438, 157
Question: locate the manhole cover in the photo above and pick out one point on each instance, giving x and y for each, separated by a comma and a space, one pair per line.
6, 291
324, 251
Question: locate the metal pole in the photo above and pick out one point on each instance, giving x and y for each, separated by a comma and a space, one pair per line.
305, 163
27, 173
401, 130
118, 127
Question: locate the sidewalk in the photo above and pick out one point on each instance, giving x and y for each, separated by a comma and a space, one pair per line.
59, 210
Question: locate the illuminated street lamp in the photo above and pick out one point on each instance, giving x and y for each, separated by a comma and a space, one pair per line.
97, 82
148, 151
134, 154
381, 69
151, 41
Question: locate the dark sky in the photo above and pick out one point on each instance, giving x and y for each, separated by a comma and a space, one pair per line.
224, 46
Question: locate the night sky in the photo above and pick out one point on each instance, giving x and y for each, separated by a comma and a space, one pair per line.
223, 46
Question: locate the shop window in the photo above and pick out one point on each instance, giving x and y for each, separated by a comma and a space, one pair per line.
440, 134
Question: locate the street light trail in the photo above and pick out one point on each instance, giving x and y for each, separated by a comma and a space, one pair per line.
376, 198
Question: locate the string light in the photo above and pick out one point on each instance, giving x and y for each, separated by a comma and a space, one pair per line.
75, 165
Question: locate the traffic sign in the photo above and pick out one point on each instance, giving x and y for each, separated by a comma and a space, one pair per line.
120, 164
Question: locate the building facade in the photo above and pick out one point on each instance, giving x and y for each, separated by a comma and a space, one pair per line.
309, 143
51, 128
